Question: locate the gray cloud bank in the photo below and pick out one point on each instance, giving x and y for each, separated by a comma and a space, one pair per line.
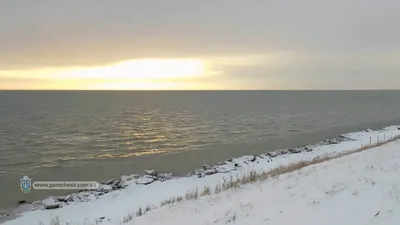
337, 44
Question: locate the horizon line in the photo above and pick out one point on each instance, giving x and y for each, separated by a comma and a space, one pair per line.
195, 90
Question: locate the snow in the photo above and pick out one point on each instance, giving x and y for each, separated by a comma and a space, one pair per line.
348, 190
362, 188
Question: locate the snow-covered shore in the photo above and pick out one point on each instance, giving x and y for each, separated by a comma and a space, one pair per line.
358, 189
113, 206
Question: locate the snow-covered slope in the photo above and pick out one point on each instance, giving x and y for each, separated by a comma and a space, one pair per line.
322, 193
363, 188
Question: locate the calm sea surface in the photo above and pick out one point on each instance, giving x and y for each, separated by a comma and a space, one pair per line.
100, 135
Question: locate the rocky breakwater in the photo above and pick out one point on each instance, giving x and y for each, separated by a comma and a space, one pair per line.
234, 163
54, 202
151, 176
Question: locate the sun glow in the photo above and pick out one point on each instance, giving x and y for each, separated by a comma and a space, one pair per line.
139, 74
140, 70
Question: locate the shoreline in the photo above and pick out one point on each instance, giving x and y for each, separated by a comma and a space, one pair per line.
207, 175
178, 163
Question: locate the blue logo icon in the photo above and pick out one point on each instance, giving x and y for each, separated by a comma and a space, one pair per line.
26, 184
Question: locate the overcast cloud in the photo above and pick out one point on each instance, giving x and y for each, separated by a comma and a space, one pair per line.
318, 44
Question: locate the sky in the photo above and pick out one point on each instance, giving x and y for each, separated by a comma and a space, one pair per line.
208, 44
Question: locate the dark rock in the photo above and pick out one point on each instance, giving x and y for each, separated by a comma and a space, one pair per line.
253, 159
308, 149
165, 176
51, 204
55, 206
115, 184
221, 164
335, 140
35, 203
327, 142
199, 171
272, 154
130, 177
294, 150
224, 169
201, 175
206, 167
285, 151
68, 199
146, 179
102, 218
210, 172
151, 172
22, 202
59, 198
122, 184
106, 188
237, 165
110, 182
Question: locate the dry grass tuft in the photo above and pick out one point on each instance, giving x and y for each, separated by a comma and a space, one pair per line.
128, 218
192, 195
179, 199
206, 191
139, 212
171, 201
217, 189
55, 221
147, 209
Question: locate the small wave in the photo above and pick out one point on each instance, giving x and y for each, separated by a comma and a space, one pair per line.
131, 154
269, 134
50, 165
295, 130
17, 164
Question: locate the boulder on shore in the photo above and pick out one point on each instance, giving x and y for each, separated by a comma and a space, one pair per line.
294, 150
206, 167
145, 180
165, 176
151, 172
50, 204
